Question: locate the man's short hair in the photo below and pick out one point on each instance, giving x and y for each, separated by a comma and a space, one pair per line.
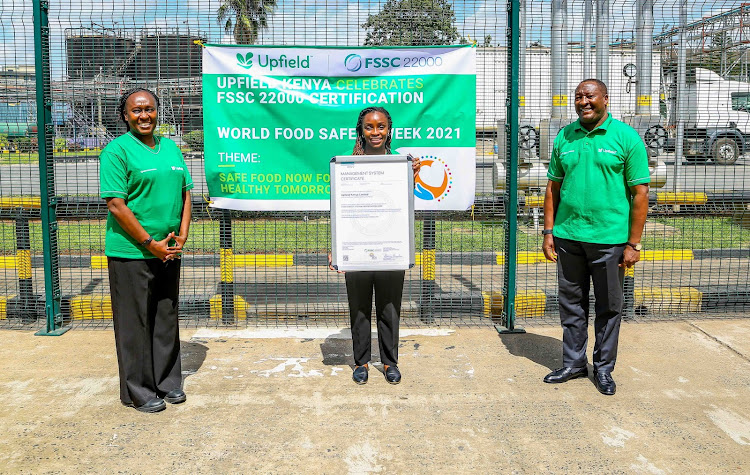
598, 83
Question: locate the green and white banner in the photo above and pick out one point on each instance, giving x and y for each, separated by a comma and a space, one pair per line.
275, 116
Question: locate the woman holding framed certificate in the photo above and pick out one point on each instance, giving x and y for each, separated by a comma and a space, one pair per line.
374, 127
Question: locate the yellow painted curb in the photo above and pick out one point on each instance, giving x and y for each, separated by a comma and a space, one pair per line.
668, 300
228, 261
240, 307
529, 303
99, 262
21, 202
524, 257
680, 198
4, 306
7, 262
670, 255
91, 307
262, 260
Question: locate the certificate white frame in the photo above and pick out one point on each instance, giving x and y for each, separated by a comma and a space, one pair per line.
404, 214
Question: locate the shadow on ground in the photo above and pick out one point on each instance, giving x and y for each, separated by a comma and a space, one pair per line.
193, 356
542, 350
337, 350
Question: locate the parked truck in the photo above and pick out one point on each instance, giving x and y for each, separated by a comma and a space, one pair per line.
717, 118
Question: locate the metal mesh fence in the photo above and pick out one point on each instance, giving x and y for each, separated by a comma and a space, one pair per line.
696, 237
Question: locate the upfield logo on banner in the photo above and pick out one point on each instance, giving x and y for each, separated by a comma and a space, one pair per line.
270, 62
246, 61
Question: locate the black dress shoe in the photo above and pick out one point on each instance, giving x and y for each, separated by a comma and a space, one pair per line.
155, 405
393, 375
565, 374
175, 396
604, 383
360, 375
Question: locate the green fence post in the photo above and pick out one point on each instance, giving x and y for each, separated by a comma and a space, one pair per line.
45, 131
511, 179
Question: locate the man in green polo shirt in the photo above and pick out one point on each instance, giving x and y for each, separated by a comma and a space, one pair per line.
594, 212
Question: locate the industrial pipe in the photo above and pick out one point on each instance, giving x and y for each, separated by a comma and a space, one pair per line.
602, 41
644, 33
559, 59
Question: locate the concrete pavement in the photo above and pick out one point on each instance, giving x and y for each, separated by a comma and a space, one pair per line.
281, 401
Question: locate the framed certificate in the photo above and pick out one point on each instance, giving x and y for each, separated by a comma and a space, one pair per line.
372, 212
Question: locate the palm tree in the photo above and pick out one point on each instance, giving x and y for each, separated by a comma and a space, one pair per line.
245, 18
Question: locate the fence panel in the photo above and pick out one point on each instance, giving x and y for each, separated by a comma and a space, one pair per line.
245, 268
695, 257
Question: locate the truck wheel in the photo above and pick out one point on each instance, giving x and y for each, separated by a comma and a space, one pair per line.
725, 151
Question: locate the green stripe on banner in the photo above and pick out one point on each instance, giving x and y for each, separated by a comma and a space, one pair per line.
270, 133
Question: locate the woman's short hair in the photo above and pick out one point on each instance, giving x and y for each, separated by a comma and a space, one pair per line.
130, 92
359, 145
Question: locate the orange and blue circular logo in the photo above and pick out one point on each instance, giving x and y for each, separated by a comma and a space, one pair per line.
437, 182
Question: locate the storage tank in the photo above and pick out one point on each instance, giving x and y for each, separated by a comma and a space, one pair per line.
164, 55
89, 53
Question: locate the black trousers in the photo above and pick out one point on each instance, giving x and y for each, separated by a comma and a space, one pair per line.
388, 287
147, 334
578, 263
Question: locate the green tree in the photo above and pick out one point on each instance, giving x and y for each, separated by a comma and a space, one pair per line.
245, 19
412, 23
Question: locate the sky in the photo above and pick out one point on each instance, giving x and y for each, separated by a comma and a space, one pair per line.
309, 22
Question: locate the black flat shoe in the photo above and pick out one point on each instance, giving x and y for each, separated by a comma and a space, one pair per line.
565, 374
360, 375
175, 396
393, 375
604, 383
155, 405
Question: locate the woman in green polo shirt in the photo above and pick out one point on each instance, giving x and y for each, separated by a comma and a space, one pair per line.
146, 184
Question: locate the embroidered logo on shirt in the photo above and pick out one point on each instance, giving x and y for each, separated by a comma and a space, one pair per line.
177, 168
604, 150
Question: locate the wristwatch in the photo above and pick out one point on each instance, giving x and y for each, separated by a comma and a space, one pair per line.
147, 241
637, 247
546, 231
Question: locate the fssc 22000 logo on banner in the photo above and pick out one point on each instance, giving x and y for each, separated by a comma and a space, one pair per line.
270, 62
355, 62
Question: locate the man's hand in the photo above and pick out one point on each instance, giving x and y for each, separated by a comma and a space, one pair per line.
548, 247
629, 257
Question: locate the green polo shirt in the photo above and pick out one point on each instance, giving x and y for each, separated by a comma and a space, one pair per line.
151, 182
596, 170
